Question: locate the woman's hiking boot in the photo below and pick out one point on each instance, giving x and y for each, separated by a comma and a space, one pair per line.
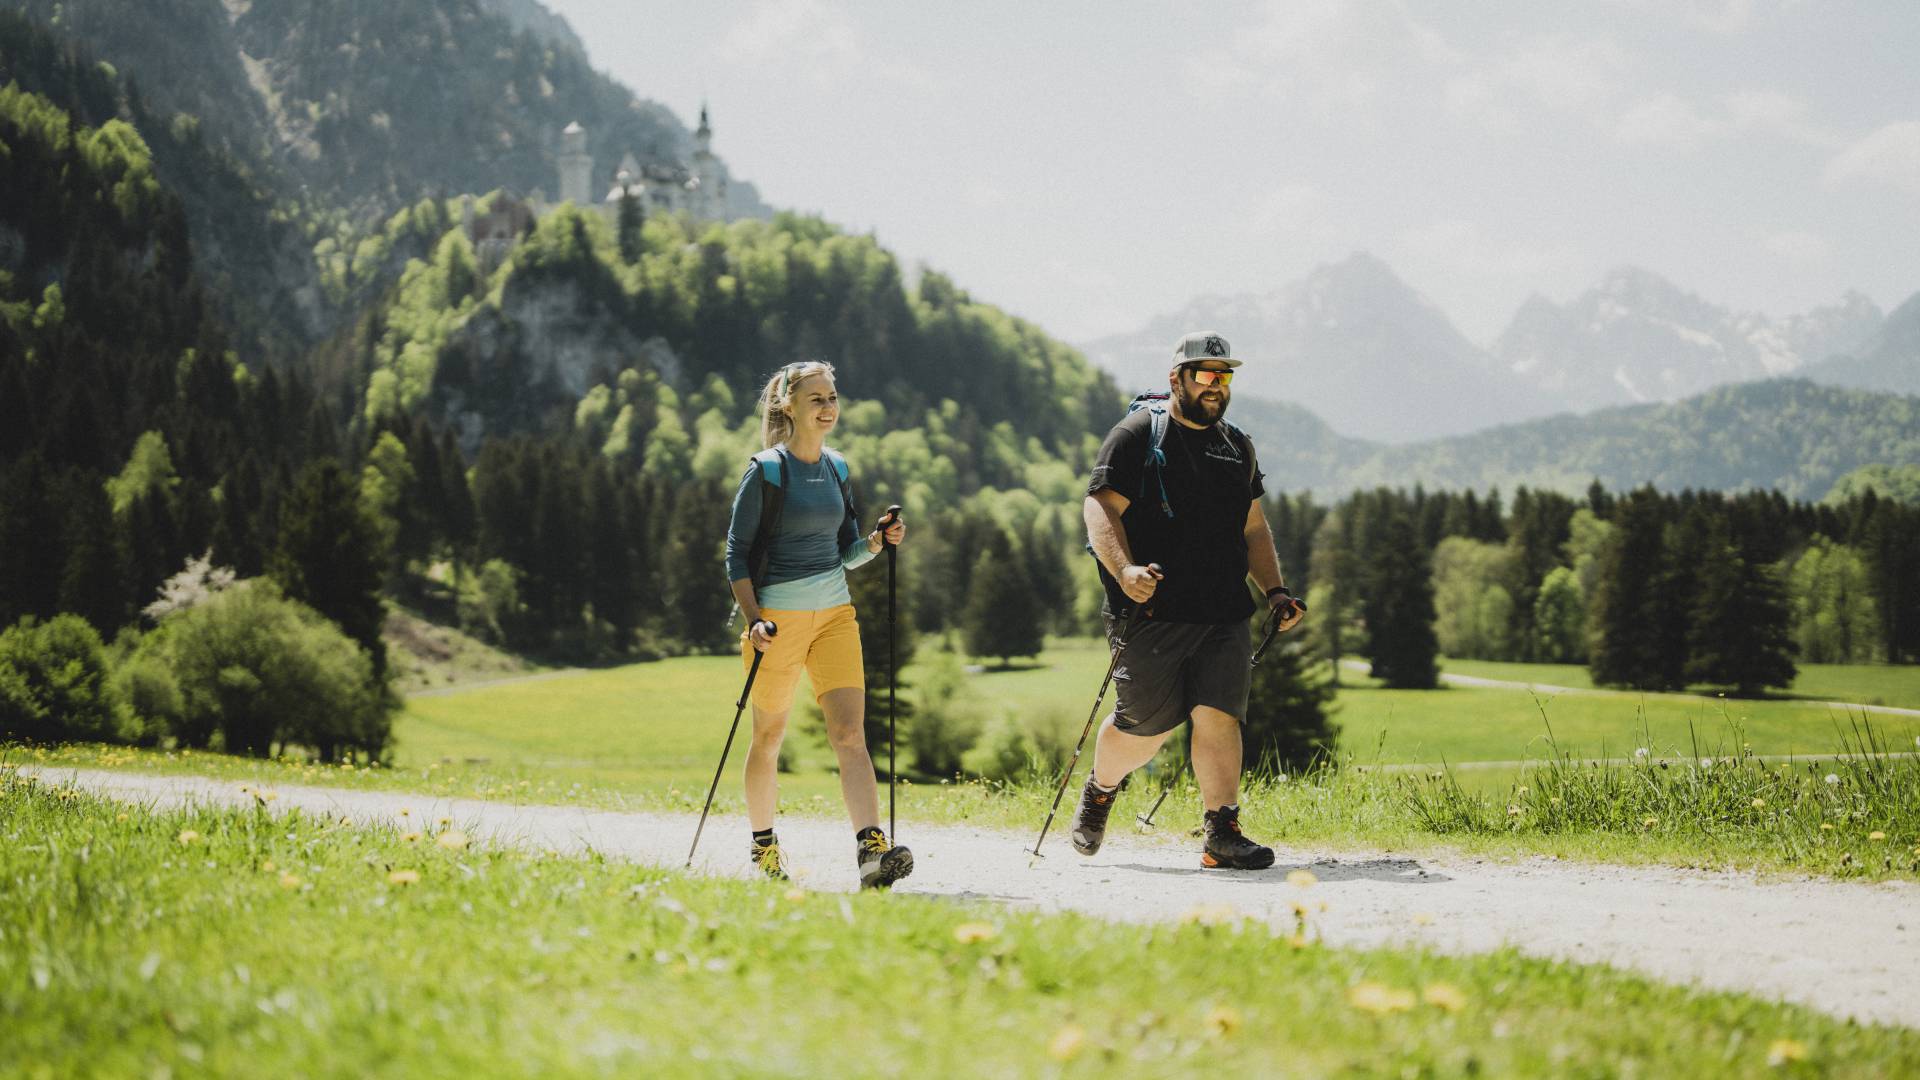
1227, 848
881, 863
770, 860
1090, 821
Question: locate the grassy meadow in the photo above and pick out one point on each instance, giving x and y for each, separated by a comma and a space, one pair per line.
647, 736
235, 942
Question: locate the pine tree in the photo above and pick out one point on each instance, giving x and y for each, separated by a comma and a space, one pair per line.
1624, 620
632, 228
1288, 723
1002, 617
330, 554
1739, 635
1399, 609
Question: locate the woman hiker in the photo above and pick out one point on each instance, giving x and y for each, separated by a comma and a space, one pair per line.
793, 537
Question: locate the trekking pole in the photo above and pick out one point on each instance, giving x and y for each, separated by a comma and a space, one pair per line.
893, 675
1273, 631
1120, 647
758, 655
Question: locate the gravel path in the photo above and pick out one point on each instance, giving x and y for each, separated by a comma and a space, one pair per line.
1847, 948
1360, 667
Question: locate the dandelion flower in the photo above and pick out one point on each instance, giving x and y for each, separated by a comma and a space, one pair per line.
120, 817
1301, 878
1640, 753
187, 836
1786, 1051
1067, 1042
973, 932
1379, 999
1223, 1020
452, 840
1706, 763
1444, 996
1833, 779
446, 821
1876, 835
289, 881
1280, 778
404, 877
1759, 804
1826, 826
409, 837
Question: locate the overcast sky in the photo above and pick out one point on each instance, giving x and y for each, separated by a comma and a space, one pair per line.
1087, 165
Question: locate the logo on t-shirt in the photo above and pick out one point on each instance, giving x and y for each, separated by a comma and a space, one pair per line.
1223, 452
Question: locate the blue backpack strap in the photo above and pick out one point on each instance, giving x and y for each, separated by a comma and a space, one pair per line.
1156, 465
773, 503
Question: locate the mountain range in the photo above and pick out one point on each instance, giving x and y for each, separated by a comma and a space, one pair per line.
1359, 347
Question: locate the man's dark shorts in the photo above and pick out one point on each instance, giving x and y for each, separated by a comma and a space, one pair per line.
1169, 668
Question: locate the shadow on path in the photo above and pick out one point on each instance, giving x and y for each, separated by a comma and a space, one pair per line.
1395, 871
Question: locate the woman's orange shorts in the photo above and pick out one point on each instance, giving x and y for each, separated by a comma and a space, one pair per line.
826, 644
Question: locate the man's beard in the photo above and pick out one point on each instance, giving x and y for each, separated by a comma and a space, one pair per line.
1200, 412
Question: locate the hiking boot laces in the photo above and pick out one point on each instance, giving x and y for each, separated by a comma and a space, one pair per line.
771, 861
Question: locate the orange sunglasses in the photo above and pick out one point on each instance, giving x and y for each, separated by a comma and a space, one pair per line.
1210, 377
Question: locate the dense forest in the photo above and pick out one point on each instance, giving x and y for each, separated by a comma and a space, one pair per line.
229, 440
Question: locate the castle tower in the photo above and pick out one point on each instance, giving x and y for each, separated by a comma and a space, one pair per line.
576, 166
710, 193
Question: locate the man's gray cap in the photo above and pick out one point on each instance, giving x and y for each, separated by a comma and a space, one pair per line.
1203, 345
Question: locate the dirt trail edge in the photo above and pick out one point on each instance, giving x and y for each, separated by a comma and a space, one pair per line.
1847, 948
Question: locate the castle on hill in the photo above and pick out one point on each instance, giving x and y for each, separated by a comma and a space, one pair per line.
697, 188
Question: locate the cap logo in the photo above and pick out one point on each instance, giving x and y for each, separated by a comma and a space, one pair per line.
1216, 347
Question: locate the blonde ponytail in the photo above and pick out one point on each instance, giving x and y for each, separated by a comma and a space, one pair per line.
775, 425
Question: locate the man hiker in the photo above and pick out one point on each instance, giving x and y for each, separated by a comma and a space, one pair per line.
1190, 504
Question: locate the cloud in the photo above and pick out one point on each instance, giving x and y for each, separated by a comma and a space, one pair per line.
1797, 246
1575, 76
1667, 120
1887, 157
1290, 208
814, 41
1331, 59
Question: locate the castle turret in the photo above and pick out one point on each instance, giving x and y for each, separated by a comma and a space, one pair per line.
576, 166
710, 187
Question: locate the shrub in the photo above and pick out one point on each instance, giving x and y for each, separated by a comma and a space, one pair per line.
52, 681
947, 719
256, 668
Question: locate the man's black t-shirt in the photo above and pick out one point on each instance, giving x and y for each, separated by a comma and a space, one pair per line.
1210, 478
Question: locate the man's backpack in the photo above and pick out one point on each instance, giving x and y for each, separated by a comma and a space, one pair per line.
1152, 477
773, 503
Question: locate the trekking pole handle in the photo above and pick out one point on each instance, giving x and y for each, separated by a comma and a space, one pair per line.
893, 515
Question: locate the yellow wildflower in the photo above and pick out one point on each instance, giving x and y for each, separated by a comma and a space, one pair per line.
969, 933
1223, 1020
1067, 1042
187, 836
1759, 804
1826, 826
1444, 996
1876, 835
404, 877
452, 840
1301, 878
1649, 821
1379, 999
289, 881
120, 817
1785, 1051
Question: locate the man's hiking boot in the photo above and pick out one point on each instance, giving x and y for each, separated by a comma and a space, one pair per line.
881, 863
1227, 848
1090, 821
770, 860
